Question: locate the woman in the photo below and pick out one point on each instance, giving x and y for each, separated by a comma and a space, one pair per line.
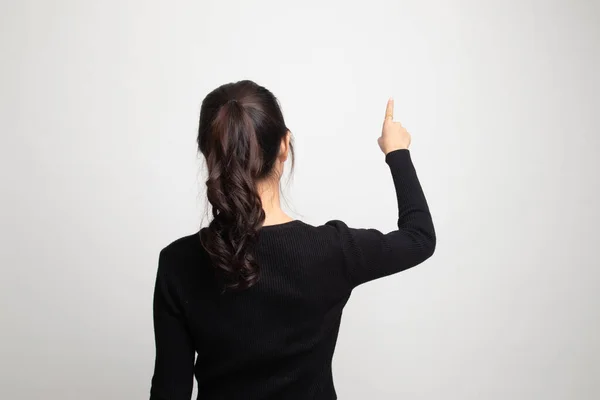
256, 294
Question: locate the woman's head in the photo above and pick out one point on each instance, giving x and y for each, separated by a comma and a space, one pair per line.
244, 139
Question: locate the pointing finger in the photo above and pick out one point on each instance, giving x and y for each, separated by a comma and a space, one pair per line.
389, 110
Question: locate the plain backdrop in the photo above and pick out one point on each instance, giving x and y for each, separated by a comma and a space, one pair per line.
99, 109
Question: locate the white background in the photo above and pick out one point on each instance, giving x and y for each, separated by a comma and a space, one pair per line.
99, 108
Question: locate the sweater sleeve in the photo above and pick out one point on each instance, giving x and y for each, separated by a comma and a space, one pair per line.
371, 254
174, 362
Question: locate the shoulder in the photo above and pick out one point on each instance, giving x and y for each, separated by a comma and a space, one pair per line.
338, 228
329, 228
332, 228
335, 225
183, 245
334, 232
180, 252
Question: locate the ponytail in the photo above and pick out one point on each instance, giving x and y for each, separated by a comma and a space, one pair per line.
234, 165
240, 134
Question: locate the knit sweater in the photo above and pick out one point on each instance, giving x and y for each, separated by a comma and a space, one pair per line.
276, 339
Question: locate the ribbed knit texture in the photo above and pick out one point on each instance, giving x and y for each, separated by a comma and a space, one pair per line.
276, 340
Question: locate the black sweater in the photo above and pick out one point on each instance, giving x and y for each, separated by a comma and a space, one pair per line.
276, 339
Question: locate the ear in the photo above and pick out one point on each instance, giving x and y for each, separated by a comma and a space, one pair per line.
284, 148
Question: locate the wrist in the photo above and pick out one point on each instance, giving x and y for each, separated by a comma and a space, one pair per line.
396, 149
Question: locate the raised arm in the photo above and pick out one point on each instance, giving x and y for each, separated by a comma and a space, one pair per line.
371, 254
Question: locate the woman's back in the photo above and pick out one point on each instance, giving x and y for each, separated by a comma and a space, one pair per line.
275, 337
273, 340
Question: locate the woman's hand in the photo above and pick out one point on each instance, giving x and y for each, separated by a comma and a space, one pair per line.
393, 136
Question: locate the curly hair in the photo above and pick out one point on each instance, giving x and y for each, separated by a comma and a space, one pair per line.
240, 133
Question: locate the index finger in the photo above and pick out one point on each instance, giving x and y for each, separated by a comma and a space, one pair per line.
389, 110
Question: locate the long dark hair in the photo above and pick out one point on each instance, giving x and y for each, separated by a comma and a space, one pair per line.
240, 134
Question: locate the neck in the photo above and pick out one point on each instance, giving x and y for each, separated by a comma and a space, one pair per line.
270, 198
